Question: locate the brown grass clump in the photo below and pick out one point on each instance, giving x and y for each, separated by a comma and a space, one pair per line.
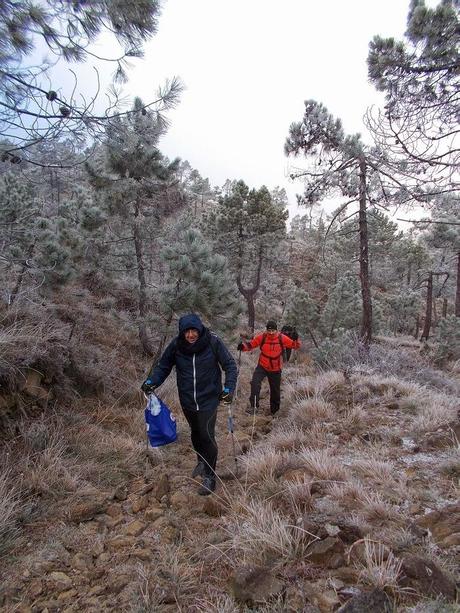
290, 438
380, 568
265, 463
172, 575
322, 464
307, 410
375, 508
257, 530
349, 494
9, 512
376, 470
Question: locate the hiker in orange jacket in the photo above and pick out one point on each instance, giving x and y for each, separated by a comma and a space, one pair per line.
270, 363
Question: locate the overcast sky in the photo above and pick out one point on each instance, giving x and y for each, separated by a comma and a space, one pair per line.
248, 65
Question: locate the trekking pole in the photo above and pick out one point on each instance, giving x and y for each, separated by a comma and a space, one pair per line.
230, 416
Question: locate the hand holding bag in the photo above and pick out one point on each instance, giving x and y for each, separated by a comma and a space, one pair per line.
160, 422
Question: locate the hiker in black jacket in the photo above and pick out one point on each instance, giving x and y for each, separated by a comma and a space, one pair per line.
198, 356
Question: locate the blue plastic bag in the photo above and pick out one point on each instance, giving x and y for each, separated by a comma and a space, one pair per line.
161, 424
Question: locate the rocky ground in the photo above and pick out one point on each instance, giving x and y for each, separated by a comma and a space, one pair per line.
348, 500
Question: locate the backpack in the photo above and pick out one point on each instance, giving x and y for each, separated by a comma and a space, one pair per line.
287, 330
272, 358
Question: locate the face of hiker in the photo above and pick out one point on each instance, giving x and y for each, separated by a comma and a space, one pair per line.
191, 335
271, 331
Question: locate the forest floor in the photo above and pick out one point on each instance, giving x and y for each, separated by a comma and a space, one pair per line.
346, 500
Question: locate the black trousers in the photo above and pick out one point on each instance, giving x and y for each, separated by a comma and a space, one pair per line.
274, 381
202, 426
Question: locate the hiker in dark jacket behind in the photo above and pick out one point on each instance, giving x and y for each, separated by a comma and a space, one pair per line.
198, 356
270, 363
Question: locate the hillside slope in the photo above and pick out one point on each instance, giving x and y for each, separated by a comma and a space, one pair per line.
348, 498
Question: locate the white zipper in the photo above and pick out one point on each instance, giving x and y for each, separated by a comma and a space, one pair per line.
194, 384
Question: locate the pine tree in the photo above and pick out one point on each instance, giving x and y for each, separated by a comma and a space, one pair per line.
135, 186
33, 105
194, 280
340, 164
420, 79
247, 227
342, 307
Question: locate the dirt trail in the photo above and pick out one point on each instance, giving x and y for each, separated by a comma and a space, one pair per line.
129, 549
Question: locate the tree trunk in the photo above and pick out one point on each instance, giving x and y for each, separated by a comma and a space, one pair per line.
142, 326
429, 308
417, 326
444, 307
15, 292
366, 321
457, 294
249, 293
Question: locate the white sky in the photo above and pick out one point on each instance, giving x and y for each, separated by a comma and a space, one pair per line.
248, 65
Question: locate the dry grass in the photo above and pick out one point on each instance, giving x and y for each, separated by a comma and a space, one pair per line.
380, 568
376, 470
265, 463
215, 603
290, 438
9, 511
354, 419
438, 411
257, 530
319, 385
322, 464
349, 494
375, 508
305, 411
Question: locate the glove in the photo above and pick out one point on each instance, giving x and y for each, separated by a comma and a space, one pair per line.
240, 346
294, 335
147, 387
226, 396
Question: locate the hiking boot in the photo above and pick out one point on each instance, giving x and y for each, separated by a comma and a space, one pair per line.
198, 471
252, 410
208, 486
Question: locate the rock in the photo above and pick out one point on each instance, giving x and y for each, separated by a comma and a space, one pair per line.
120, 542
116, 583
121, 493
104, 558
33, 387
142, 554
81, 561
441, 523
154, 513
179, 500
97, 548
59, 580
426, 578
450, 541
166, 529
213, 506
328, 552
35, 588
139, 504
85, 510
295, 601
162, 487
253, 584
96, 590
114, 510
135, 528
67, 595
376, 601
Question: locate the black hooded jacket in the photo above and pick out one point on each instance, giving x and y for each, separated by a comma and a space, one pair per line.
199, 380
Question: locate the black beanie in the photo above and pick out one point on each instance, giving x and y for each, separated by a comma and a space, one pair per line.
272, 324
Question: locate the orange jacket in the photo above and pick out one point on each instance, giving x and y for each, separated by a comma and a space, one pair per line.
271, 349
